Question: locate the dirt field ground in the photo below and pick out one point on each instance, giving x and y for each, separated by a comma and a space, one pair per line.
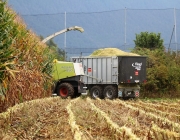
56, 118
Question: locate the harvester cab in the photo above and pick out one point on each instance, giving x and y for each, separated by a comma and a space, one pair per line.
68, 79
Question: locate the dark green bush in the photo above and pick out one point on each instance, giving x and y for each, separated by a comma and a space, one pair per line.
163, 68
163, 71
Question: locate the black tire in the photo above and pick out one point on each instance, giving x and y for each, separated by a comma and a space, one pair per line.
65, 90
110, 92
96, 92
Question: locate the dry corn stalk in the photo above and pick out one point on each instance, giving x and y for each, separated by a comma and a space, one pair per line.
167, 108
74, 127
19, 106
162, 134
175, 126
122, 131
154, 110
170, 105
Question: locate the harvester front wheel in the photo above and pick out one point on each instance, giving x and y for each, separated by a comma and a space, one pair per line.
65, 90
110, 92
96, 92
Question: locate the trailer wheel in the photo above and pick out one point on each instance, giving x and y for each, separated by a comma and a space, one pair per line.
110, 92
65, 90
96, 92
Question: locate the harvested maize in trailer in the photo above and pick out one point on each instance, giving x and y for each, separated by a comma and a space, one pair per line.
112, 52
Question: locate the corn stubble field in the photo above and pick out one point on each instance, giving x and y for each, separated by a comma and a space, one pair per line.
84, 118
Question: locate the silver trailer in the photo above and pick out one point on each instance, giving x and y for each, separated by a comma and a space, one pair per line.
113, 76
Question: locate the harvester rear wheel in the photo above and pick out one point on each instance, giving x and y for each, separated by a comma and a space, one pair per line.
110, 92
65, 90
96, 92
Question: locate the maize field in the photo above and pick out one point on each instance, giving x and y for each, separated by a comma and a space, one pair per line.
88, 119
25, 62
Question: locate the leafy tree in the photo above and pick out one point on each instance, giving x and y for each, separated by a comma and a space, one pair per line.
163, 72
149, 40
163, 68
